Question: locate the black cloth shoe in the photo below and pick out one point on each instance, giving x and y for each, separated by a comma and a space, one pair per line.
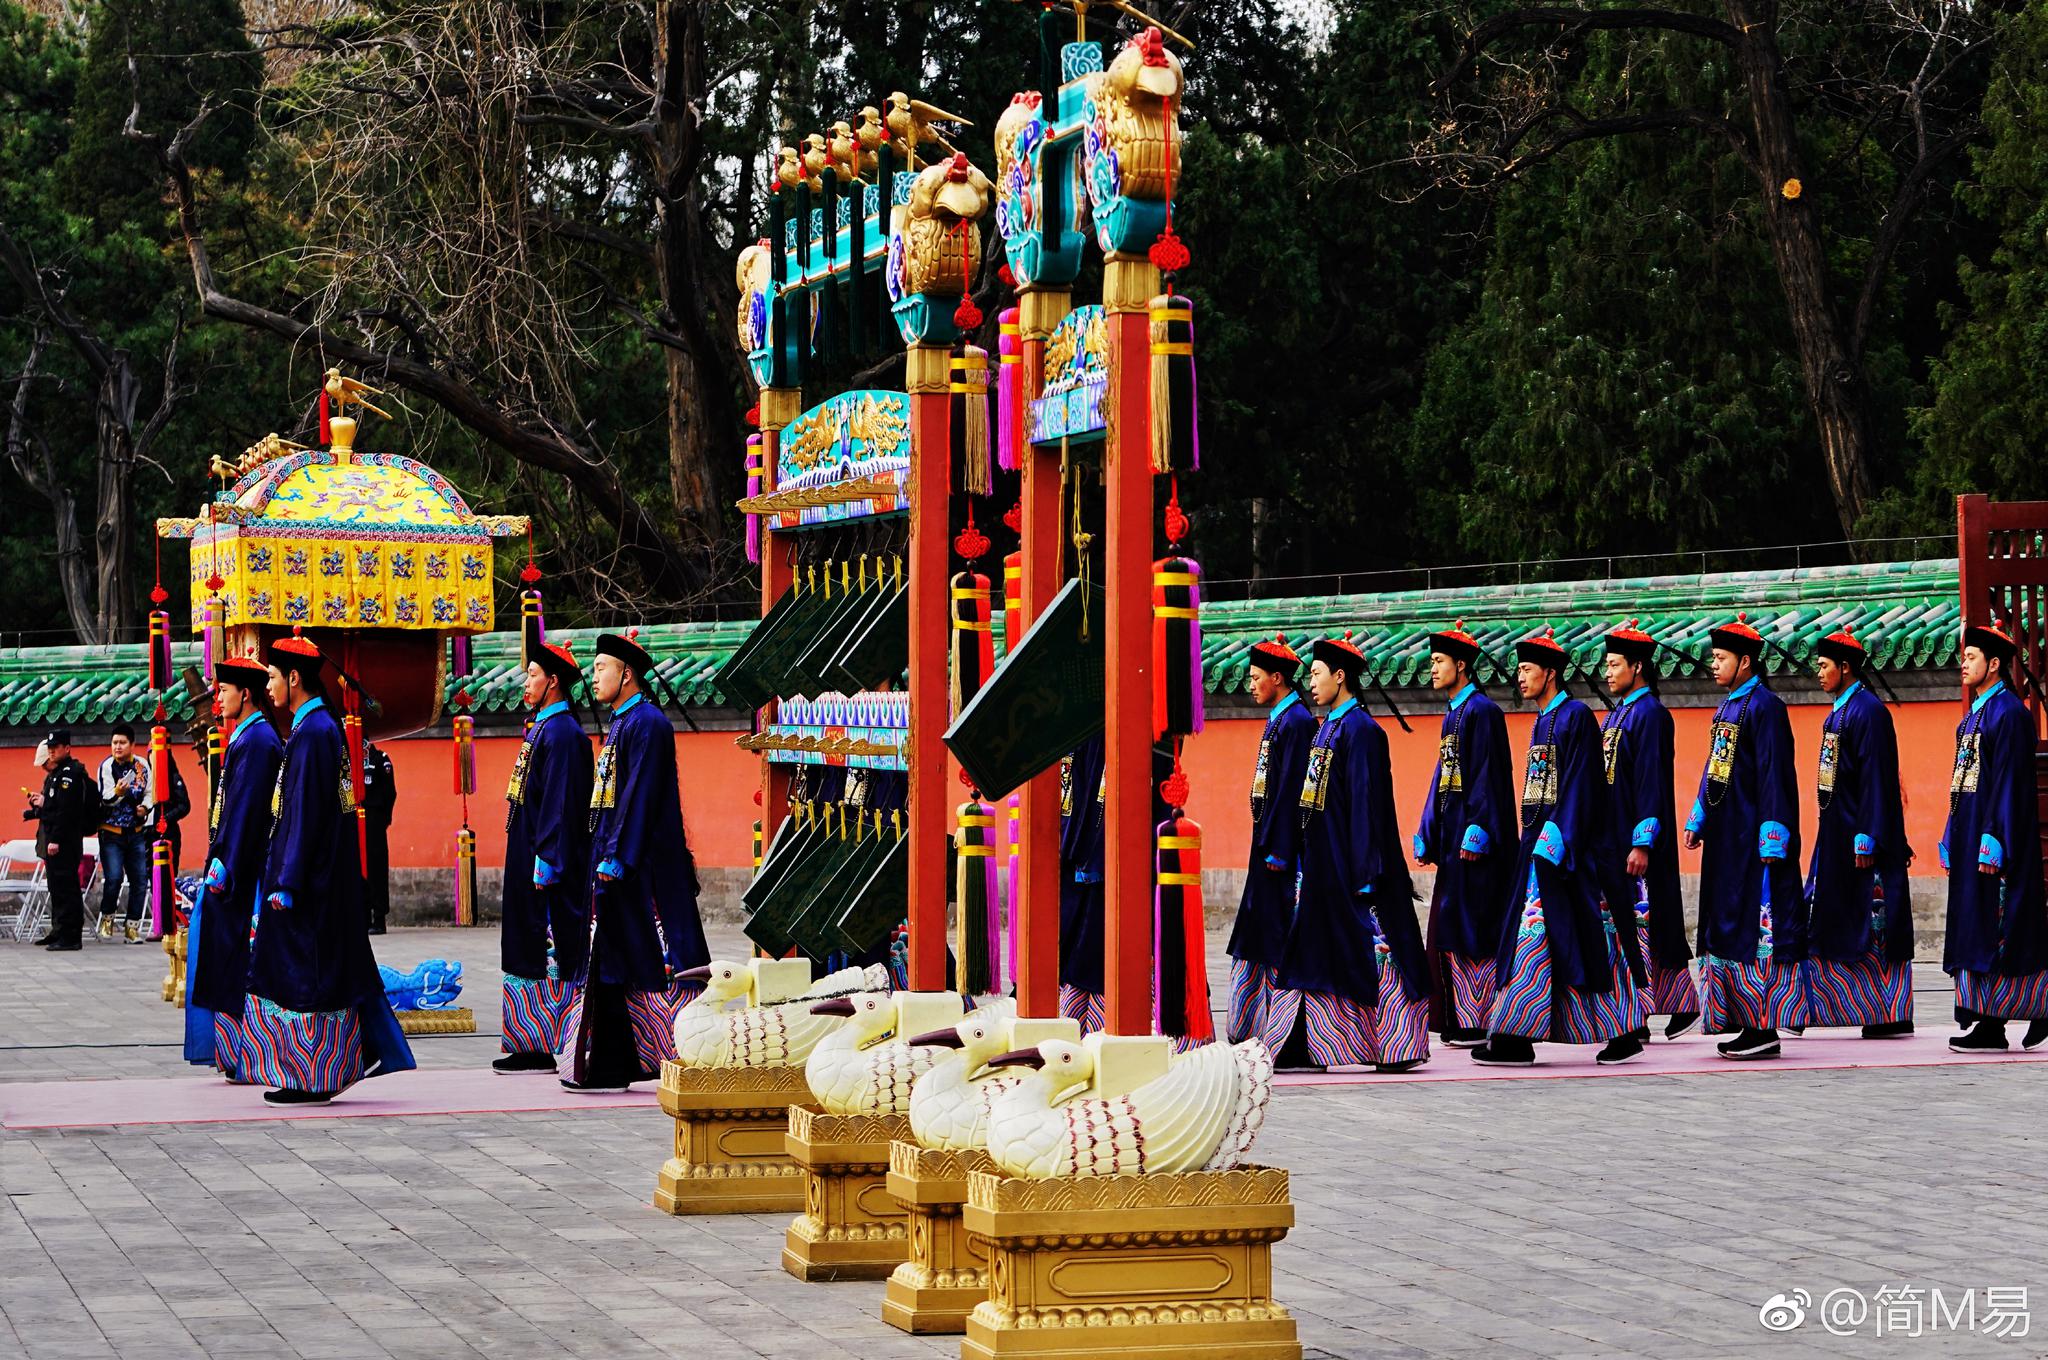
1986, 1036
524, 1062
591, 1090
1682, 1024
1750, 1045
42, 941
2037, 1035
1505, 1050
63, 946
1464, 1038
1398, 1067
1622, 1049
1890, 1029
290, 1097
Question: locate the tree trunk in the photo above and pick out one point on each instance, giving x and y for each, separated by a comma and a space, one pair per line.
1836, 390
39, 473
114, 436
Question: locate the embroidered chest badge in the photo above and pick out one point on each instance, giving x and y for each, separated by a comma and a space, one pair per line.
1316, 785
1830, 760
515, 787
1968, 750
1610, 750
1539, 776
1721, 752
1450, 776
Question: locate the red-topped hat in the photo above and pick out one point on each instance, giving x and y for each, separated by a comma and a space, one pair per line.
1275, 656
557, 660
1632, 642
1738, 637
628, 650
298, 644
1842, 646
245, 671
1991, 640
1543, 649
1339, 653
296, 652
1456, 643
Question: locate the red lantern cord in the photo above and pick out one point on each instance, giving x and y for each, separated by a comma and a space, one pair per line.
1168, 253
1175, 519
970, 542
157, 593
1174, 788
529, 573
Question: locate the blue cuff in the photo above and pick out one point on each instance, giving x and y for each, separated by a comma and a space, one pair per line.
216, 875
1550, 844
610, 868
1421, 850
1944, 852
1366, 891
1697, 822
1771, 840
1865, 845
544, 873
283, 898
1989, 852
1275, 863
1475, 840
1646, 833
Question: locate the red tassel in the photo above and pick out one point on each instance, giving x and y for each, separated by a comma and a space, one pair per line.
974, 646
1176, 647
1180, 984
159, 765
326, 431
159, 650
352, 732
1013, 587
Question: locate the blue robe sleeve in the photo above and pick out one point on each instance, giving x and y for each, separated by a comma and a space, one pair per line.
2003, 797
1572, 830
1777, 783
1857, 793
642, 787
547, 804
236, 850
312, 790
1646, 753
1354, 853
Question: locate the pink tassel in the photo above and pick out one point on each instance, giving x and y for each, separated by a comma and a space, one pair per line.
1010, 392
1013, 842
754, 471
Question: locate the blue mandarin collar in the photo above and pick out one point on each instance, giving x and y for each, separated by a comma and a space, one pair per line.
1848, 693
1287, 701
1985, 697
1555, 699
1458, 699
1638, 692
299, 714
626, 707
558, 706
1745, 687
1341, 709
252, 716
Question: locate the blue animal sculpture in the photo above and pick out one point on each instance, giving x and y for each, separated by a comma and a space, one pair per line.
433, 986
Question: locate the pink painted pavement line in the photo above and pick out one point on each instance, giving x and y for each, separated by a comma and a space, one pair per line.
1691, 1056
208, 1099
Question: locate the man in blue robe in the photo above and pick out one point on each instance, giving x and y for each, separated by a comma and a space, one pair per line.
644, 929
1466, 826
545, 929
1081, 871
1997, 948
316, 1019
1859, 923
1639, 866
1752, 932
1354, 986
217, 939
1264, 913
1562, 973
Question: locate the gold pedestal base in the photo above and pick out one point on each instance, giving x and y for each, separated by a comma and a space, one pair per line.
1120, 1266
455, 1020
730, 1152
174, 980
851, 1228
947, 1273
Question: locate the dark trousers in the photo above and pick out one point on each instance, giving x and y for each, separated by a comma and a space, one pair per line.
123, 855
67, 898
377, 874
602, 1052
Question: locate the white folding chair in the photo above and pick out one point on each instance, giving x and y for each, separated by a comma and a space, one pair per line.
24, 894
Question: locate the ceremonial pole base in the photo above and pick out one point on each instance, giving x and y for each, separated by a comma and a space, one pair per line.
174, 980
453, 1020
947, 1273
730, 1153
1138, 1265
851, 1228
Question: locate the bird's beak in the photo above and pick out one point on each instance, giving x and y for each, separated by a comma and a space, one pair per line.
938, 1038
838, 1005
696, 974
1018, 1057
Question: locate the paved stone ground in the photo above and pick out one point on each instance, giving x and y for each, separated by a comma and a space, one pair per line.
1642, 1216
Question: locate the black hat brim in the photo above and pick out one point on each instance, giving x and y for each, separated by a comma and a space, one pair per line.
248, 673
1989, 643
1841, 652
1638, 650
566, 672
1542, 654
1267, 660
624, 649
1339, 658
1454, 648
1737, 643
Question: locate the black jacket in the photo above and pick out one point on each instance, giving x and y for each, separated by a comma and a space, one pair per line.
71, 807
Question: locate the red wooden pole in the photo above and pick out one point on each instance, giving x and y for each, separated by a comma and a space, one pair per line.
779, 406
1127, 290
929, 383
1038, 934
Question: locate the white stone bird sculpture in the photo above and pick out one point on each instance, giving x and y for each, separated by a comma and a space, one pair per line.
1201, 1116
718, 1029
949, 1104
864, 1067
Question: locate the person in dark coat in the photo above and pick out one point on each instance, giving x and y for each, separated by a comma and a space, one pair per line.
1081, 873
1859, 924
545, 928
1466, 827
644, 929
67, 808
1563, 959
316, 1020
1353, 979
1752, 928
380, 798
217, 938
1639, 859
1997, 949
1259, 936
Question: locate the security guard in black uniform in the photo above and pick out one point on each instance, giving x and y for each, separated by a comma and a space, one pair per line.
67, 808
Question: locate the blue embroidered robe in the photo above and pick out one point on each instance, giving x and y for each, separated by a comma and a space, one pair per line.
1640, 812
1267, 907
1352, 864
643, 923
547, 848
1996, 922
1860, 812
1470, 807
1563, 835
218, 939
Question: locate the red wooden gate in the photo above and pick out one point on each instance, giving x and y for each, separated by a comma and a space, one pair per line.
2002, 560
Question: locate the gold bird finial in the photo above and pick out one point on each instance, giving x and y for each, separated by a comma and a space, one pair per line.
910, 123
344, 392
843, 151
